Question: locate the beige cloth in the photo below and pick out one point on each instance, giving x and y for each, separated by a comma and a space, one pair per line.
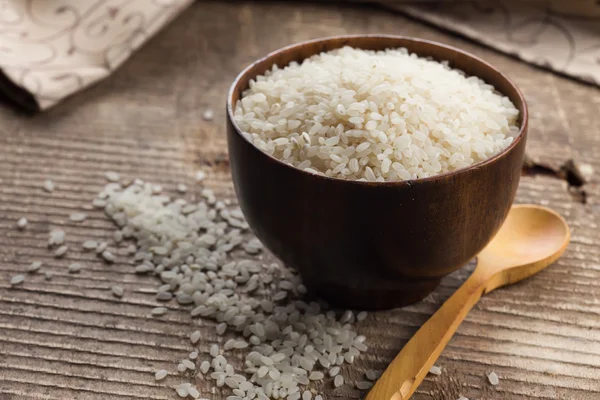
562, 35
53, 48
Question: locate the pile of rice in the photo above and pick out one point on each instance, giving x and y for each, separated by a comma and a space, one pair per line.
207, 259
375, 116
270, 341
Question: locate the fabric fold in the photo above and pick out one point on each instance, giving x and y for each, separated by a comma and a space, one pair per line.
50, 49
560, 35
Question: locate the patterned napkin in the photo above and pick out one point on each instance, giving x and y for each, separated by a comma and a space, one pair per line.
561, 35
50, 49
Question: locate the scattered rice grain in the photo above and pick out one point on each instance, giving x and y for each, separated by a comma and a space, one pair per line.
208, 114
117, 291
57, 237
75, 267
373, 375
338, 381
159, 311
90, 245
48, 186
316, 376
101, 247
192, 391
183, 389
17, 279
112, 176
61, 251
363, 385
108, 256
160, 374
34, 267
78, 216
205, 367
22, 223
493, 378
195, 336
435, 370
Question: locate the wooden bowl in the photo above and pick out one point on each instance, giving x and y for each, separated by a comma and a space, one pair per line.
374, 245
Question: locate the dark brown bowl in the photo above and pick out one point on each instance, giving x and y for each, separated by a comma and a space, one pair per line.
374, 245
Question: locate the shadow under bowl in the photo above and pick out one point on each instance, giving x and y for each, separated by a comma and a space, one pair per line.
374, 245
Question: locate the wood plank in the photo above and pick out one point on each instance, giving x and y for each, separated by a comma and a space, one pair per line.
70, 338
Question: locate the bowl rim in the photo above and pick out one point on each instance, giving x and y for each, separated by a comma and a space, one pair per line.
409, 182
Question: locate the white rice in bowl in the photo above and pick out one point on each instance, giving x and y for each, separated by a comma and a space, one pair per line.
375, 116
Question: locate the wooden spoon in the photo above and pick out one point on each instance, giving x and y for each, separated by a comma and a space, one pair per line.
531, 238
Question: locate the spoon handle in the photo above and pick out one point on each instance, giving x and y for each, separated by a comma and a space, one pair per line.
407, 370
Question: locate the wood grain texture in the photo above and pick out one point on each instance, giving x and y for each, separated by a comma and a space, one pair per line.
69, 338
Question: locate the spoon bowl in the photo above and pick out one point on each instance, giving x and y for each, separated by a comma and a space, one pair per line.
531, 238
540, 231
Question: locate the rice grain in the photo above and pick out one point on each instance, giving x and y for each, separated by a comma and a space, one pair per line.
22, 223
493, 378
112, 176
48, 186
363, 385
160, 374
194, 337
17, 280
338, 381
208, 115
158, 311
435, 370
61, 251
108, 256
75, 267
117, 291
34, 267
90, 245
78, 217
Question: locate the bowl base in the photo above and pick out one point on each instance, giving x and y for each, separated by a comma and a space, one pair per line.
397, 294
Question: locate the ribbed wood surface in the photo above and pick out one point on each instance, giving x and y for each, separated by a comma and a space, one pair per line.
69, 338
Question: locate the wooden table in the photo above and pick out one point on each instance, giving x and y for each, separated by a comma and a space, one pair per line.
69, 338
